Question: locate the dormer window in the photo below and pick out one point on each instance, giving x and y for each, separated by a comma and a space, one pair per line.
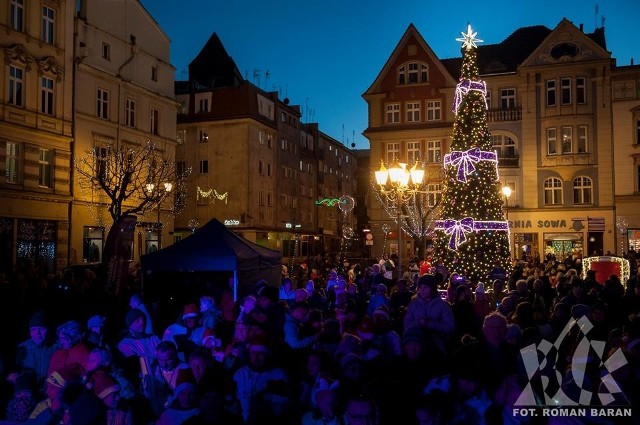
413, 73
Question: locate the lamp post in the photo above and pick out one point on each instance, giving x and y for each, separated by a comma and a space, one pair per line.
506, 191
398, 185
161, 197
295, 226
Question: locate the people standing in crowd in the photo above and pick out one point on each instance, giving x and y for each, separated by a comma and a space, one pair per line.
35, 353
137, 302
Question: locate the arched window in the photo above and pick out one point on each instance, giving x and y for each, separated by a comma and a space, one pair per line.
582, 190
553, 191
413, 73
504, 145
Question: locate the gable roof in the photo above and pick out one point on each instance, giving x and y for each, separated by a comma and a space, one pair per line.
411, 31
213, 67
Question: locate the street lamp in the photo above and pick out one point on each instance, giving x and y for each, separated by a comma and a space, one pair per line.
398, 184
161, 197
506, 191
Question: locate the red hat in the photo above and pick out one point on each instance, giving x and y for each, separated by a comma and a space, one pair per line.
103, 384
190, 310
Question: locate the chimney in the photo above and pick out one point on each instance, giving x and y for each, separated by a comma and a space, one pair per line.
581, 27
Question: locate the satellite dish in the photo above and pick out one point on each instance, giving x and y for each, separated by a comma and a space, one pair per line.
353, 145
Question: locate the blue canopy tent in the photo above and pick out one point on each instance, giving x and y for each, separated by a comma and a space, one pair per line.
213, 247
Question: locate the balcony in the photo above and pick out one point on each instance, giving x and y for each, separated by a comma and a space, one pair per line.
509, 161
501, 115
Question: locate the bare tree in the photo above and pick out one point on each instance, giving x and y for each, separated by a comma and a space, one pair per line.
134, 179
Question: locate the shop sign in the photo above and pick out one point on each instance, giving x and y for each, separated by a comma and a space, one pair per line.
540, 224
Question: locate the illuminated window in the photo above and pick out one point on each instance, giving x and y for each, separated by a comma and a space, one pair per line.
553, 191
567, 139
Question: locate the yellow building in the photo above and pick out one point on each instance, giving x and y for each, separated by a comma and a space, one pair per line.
550, 114
124, 97
36, 140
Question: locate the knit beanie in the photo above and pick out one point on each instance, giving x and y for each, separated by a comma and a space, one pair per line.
103, 384
133, 315
72, 331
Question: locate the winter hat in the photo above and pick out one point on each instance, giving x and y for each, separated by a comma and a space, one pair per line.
59, 378
103, 384
480, 288
412, 334
38, 320
428, 280
96, 321
133, 315
579, 310
190, 310
259, 343
71, 330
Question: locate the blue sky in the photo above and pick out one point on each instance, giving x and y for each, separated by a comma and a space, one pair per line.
324, 54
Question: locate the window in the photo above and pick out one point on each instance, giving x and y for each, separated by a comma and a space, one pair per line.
567, 139
413, 73
565, 90
181, 168
581, 90
102, 110
154, 73
260, 167
11, 163
433, 151
508, 98
46, 95
434, 108
130, 113
269, 199
204, 166
393, 113
504, 145
44, 168
261, 197
47, 34
413, 152
268, 169
155, 116
637, 131
16, 15
106, 51
16, 82
582, 138
552, 143
434, 194
413, 112
553, 191
488, 99
551, 92
393, 152
582, 190
204, 137
204, 105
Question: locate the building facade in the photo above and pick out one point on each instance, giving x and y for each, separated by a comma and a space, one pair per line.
36, 139
256, 167
123, 98
551, 116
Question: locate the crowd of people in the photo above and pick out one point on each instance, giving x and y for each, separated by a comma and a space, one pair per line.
338, 344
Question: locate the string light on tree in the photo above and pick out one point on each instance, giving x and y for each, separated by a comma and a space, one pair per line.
472, 235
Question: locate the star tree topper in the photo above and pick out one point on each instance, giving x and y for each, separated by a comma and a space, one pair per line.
469, 39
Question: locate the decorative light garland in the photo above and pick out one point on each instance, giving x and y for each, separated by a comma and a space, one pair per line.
213, 194
625, 269
329, 202
464, 87
457, 229
464, 160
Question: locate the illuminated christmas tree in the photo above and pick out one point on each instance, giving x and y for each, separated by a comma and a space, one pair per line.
472, 235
